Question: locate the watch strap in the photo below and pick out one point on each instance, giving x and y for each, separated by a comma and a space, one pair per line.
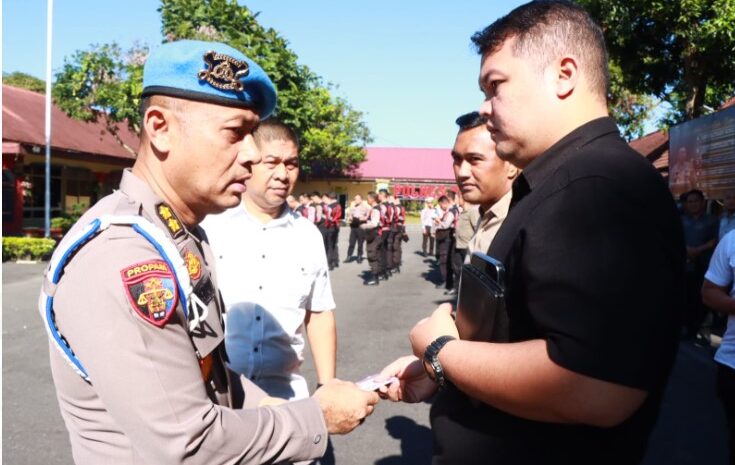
431, 359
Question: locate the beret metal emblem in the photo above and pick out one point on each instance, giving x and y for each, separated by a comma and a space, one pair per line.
223, 72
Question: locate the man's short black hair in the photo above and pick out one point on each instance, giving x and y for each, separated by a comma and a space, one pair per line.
316, 194
696, 192
546, 29
470, 121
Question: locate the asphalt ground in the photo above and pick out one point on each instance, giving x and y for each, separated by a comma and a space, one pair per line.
373, 324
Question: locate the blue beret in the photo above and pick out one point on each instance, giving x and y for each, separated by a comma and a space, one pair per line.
209, 72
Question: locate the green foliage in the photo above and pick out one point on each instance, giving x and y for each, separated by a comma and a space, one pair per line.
25, 81
104, 83
681, 52
67, 220
332, 133
27, 248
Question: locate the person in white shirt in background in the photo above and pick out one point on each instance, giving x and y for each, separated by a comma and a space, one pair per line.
428, 213
273, 275
718, 293
727, 220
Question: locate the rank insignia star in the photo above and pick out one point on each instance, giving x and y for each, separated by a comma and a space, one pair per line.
169, 219
223, 72
152, 291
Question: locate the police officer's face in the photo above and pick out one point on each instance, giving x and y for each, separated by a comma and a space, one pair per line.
519, 104
211, 156
481, 176
275, 175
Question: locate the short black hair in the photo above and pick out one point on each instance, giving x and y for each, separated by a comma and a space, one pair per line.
316, 193
685, 196
273, 129
546, 28
470, 121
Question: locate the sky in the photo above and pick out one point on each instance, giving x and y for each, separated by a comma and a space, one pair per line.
407, 65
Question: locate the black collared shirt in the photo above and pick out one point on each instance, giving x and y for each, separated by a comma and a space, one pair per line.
594, 255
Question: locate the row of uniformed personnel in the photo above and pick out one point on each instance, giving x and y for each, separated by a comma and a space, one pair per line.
385, 232
325, 211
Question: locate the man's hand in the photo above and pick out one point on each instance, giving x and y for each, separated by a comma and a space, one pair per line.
413, 384
440, 323
344, 405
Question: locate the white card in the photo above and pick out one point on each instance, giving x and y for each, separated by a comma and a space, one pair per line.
370, 384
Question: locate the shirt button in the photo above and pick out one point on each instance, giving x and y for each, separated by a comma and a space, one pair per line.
252, 377
317, 438
257, 318
260, 288
255, 349
263, 255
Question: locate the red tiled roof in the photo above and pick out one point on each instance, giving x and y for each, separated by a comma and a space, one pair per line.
23, 121
406, 163
655, 147
728, 103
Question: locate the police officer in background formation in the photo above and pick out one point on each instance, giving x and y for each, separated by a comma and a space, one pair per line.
428, 213
136, 309
357, 214
373, 231
399, 233
386, 234
444, 231
332, 219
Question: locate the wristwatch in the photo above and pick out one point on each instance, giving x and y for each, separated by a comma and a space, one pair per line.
431, 360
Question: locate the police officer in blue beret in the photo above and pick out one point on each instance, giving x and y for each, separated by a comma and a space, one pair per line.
130, 299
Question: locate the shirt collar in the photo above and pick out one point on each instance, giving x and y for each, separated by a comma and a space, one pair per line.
135, 188
500, 208
549, 161
287, 216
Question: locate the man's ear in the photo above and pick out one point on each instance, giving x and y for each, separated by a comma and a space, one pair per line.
157, 127
567, 76
511, 170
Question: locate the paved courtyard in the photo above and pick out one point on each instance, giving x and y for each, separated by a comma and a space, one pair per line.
373, 324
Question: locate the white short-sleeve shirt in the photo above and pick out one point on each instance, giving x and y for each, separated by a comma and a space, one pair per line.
721, 272
269, 275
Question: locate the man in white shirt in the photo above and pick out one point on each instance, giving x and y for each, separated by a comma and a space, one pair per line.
718, 293
427, 222
273, 275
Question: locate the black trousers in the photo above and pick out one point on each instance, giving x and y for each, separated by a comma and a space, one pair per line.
373, 243
427, 238
695, 311
398, 246
458, 256
332, 236
726, 392
387, 250
444, 246
357, 236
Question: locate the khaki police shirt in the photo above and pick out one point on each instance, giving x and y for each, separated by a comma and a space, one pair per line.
148, 402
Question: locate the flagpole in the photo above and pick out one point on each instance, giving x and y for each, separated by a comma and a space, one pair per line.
47, 131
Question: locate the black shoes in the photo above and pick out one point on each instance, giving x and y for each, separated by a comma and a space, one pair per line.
349, 259
372, 282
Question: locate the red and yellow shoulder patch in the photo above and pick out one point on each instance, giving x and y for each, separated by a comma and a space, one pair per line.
151, 289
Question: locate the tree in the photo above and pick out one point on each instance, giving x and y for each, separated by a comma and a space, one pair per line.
681, 52
25, 81
103, 83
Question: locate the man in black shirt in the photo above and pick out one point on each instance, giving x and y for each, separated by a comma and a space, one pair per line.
594, 255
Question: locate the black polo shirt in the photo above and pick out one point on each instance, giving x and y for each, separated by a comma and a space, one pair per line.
594, 254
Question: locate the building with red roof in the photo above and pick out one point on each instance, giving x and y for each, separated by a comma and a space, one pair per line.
86, 160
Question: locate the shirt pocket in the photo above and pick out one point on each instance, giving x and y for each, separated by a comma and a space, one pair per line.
298, 285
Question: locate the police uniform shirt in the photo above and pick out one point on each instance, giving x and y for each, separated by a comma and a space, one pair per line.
594, 257
270, 275
148, 401
489, 224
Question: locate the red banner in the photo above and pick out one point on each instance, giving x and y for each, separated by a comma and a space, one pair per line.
422, 191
